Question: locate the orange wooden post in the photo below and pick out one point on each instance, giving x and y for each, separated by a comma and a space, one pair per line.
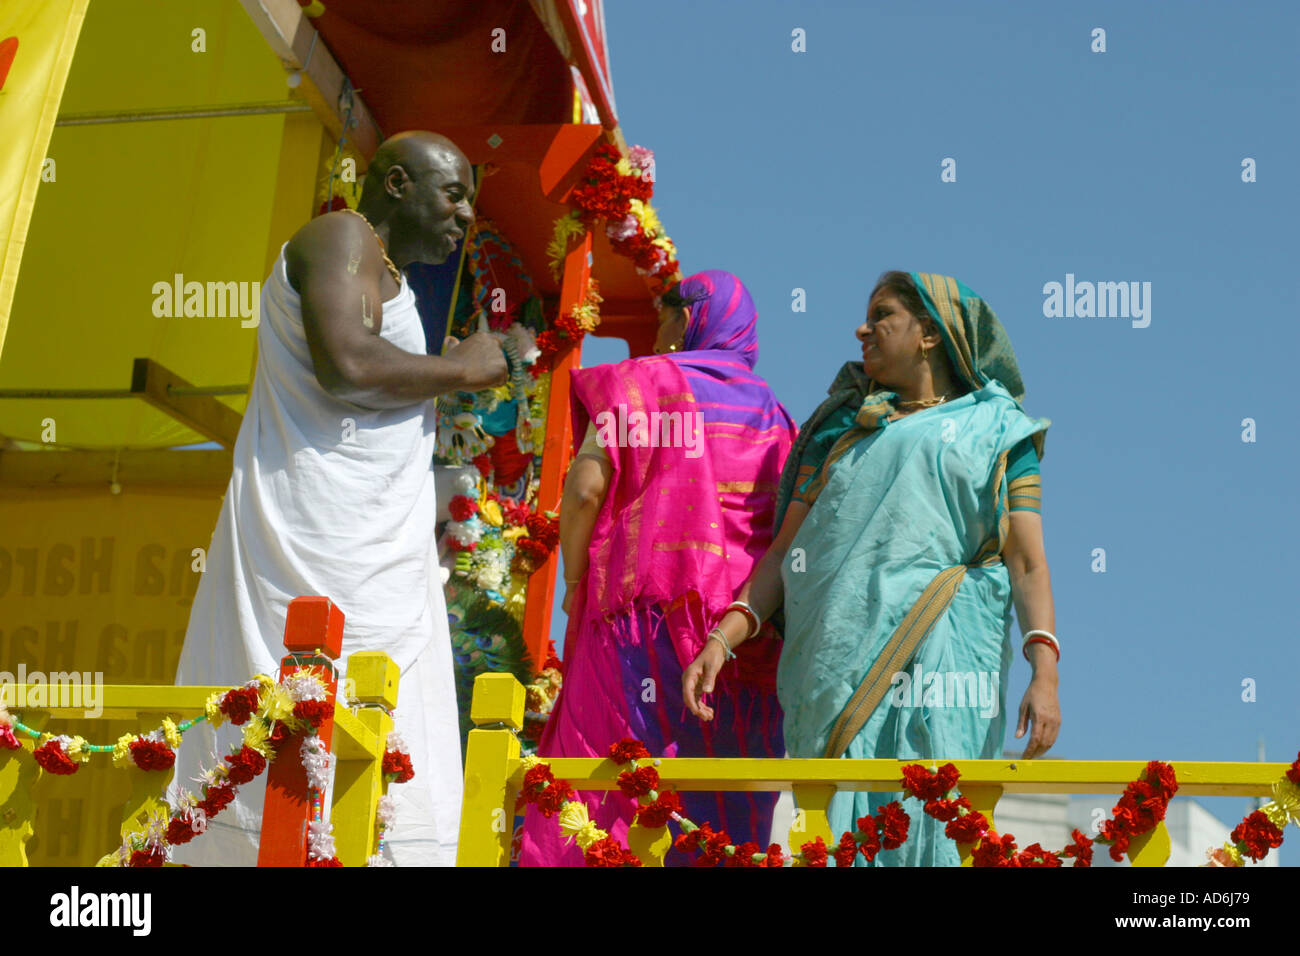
313, 630
556, 452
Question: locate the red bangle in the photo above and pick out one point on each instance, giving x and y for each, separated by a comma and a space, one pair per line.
1041, 640
755, 625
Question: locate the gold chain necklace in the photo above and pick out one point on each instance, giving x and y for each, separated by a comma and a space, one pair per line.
383, 250
923, 402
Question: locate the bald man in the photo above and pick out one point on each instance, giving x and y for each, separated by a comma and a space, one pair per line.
332, 491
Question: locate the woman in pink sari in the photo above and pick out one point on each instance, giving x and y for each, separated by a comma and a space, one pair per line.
667, 507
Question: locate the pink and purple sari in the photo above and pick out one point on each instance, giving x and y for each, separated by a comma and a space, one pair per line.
677, 535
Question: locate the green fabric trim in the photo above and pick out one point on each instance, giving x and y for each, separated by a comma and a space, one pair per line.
1022, 461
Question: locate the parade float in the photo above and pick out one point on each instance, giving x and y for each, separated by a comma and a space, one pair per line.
158, 157
165, 153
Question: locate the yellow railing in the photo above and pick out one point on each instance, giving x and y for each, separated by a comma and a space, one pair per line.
359, 740
493, 775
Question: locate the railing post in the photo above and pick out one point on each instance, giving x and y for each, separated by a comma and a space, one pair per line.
1151, 848
146, 801
810, 819
650, 845
18, 775
313, 635
488, 811
985, 800
359, 782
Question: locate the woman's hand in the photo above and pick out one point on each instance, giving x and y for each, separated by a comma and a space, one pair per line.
1040, 705
568, 597
698, 678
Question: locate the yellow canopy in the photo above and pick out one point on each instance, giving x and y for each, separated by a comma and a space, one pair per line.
128, 203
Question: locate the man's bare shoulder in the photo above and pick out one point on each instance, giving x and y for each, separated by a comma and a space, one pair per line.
323, 243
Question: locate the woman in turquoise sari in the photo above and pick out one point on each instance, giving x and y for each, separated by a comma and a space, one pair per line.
909, 527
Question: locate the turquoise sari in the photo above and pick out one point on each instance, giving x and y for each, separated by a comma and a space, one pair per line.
900, 502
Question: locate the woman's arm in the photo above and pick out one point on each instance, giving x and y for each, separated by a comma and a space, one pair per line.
764, 592
1031, 589
584, 493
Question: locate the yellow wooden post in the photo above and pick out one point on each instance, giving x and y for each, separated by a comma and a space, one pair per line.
985, 800
649, 845
147, 789
359, 778
1151, 848
491, 756
18, 773
810, 820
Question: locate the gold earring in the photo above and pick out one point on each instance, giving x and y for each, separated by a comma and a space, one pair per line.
923, 353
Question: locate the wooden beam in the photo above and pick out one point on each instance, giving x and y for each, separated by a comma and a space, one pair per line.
203, 413
302, 50
199, 469
556, 452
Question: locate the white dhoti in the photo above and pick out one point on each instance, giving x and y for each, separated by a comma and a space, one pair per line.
327, 498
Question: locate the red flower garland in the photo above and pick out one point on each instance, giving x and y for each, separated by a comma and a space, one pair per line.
1258, 834
397, 766
604, 193
152, 754
660, 811
313, 712
238, 704
153, 856
243, 766
7, 739
628, 749
639, 782
814, 853
51, 757
215, 799
552, 343
1140, 808
180, 829
545, 528
608, 852
462, 507
887, 830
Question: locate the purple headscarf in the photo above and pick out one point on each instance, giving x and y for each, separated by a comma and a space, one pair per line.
675, 524
723, 317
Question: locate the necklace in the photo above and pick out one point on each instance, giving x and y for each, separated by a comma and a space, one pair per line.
383, 250
923, 402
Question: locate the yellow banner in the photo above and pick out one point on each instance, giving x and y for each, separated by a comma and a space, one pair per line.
99, 585
37, 39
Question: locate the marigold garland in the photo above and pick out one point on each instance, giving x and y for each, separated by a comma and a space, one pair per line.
617, 190
1139, 810
1261, 830
270, 714
552, 797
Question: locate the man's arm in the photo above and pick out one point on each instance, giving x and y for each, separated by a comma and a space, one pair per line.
336, 266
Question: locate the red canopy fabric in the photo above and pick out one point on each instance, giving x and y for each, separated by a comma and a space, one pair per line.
424, 65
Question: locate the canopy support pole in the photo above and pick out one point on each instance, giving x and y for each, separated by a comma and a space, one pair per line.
168, 392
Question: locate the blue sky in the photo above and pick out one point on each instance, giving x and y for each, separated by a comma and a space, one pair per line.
820, 170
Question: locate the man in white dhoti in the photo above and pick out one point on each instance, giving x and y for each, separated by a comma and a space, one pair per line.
333, 489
